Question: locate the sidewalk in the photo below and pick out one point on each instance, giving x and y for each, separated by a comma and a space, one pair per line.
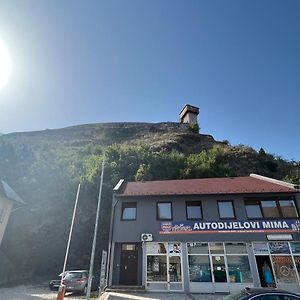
158, 296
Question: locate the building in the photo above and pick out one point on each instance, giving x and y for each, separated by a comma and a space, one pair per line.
205, 235
189, 114
7, 199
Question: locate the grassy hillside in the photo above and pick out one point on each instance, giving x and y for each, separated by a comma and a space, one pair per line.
45, 167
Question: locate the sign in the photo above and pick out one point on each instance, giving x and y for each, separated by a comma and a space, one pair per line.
253, 226
103, 269
279, 237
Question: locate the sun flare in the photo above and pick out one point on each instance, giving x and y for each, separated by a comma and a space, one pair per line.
5, 65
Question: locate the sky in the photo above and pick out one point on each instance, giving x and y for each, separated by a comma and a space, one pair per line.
78, 62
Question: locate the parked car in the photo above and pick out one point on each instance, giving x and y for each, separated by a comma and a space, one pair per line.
263, 294
75, 281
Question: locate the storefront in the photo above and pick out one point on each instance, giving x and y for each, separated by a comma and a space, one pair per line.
220, 267
206, 235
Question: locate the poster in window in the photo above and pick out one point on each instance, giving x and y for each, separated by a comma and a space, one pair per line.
174, 249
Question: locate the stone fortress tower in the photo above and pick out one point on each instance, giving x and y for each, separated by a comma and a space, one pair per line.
189, 114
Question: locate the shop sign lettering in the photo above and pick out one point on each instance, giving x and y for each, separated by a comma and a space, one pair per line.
266, 226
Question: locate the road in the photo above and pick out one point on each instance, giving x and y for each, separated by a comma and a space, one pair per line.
29, 292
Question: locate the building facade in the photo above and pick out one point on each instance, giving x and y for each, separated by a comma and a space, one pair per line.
205, 235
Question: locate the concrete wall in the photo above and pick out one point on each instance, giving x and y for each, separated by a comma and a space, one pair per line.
5, 210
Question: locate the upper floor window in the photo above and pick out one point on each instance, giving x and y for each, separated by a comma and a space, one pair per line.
193, 210
277, 208
129, 211
226, 210
164, 210
253, 209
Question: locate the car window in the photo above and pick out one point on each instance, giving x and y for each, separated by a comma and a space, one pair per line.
73, 275
290, 298
267, 297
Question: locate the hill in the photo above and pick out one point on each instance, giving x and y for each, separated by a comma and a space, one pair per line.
45, 167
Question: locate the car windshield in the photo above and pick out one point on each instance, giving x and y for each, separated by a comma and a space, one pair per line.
73, 275
235, 296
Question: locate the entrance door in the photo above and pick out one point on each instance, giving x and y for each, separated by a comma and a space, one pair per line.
175, 275
219, 273
129, 264
265, 271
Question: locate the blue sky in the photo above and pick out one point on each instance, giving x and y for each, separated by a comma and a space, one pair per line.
77, 62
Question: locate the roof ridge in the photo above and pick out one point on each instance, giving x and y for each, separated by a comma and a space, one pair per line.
275, 181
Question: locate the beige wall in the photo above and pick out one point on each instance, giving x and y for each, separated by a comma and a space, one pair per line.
5, 210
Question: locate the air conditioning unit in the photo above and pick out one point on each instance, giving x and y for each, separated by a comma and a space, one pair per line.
146, 237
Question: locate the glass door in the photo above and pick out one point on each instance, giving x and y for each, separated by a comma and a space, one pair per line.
219, 273
175, 273
164, 269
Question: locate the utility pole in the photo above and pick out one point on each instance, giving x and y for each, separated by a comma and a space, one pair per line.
61, 291
88, 294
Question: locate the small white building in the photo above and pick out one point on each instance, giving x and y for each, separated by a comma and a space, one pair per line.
7, 199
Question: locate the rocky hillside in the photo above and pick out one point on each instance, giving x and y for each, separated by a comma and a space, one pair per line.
45, 167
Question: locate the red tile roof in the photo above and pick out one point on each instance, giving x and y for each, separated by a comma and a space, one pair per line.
228, 185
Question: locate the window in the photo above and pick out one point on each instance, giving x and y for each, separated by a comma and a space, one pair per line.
199, 268
280, 207
193, 210
288, 209
164, 211
226, 210
284, 269
239, 269
253, 209
129, 211
270, 209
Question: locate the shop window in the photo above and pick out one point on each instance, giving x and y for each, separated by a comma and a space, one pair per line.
198, 248
260, 248
193, 210
164, 211
288, 209
279, 248
226, 210
216, 248
157, 268
253, 209
199, 268
174, 249
129, 211
239, 269
156, 248
235, 248
284, 269
297, 263
295, 247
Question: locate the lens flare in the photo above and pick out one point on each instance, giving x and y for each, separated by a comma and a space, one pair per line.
5, 65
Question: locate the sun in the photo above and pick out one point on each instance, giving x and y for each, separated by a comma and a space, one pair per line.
5, 65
